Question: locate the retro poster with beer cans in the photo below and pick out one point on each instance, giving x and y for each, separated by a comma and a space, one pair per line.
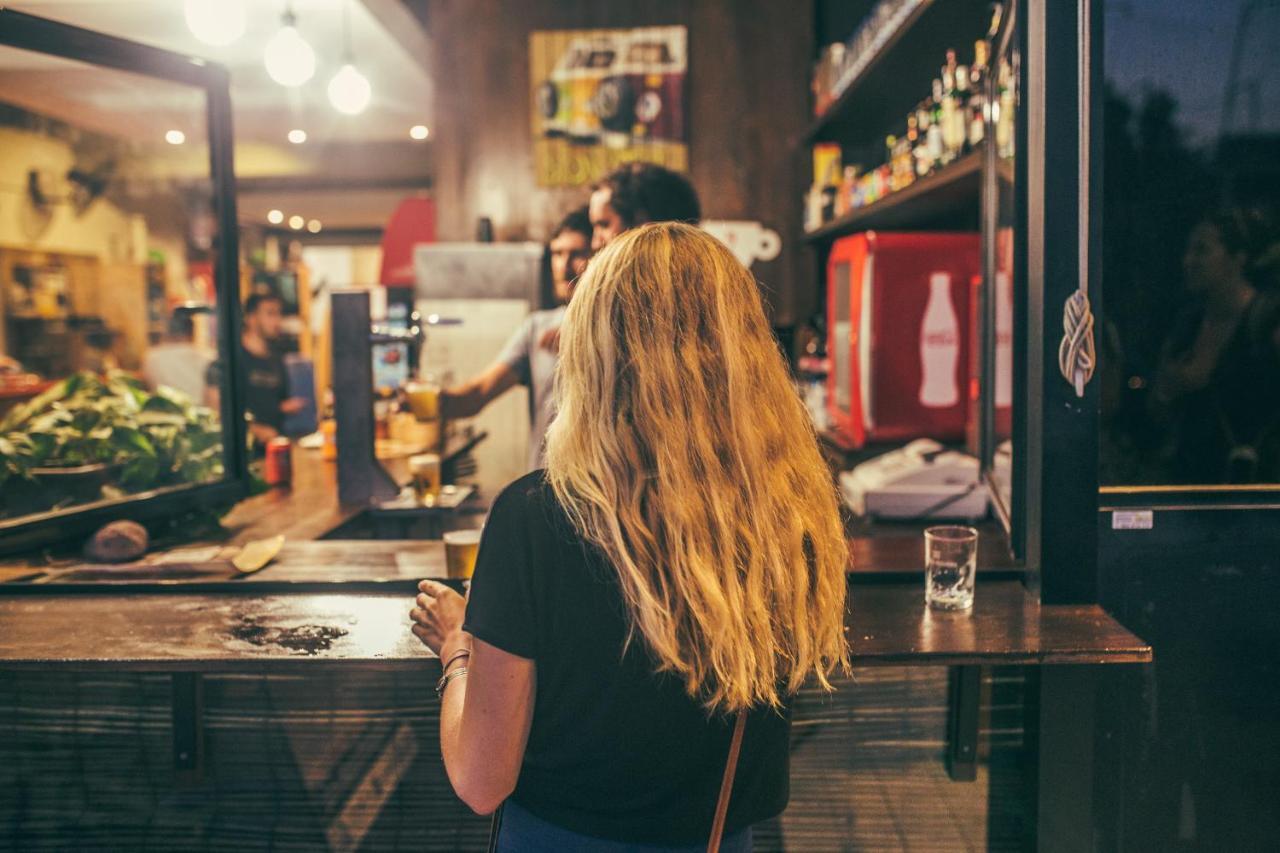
602, 98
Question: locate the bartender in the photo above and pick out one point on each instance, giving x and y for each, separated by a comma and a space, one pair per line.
529, 358
638, 193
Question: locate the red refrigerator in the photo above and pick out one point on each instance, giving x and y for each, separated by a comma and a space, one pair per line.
899, 320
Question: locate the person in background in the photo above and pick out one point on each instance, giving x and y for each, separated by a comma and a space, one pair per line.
529, 358
262, 372
680, 563
177, 362
638, 193
1217, 390
628, 197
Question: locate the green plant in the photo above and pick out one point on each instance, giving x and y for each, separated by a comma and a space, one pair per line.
155, 439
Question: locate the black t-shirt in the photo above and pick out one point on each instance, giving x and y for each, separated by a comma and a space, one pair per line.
615, 751
265, 382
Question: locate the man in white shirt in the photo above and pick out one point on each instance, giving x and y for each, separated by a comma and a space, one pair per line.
529, 357
177, 362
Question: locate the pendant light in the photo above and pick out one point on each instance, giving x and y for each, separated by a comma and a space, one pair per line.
289, 59
215, 22
349, 90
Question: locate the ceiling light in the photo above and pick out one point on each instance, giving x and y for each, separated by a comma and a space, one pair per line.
349, 91
296, 222
215, 22
314, 226
275, 217
297, 136
419, 131
175, 137
289, 59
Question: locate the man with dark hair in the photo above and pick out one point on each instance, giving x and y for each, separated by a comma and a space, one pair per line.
638, 193
262, 372
529, 357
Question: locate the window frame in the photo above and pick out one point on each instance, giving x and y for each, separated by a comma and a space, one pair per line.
40, 35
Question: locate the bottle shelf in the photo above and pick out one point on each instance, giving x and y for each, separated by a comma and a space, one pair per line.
901, 71
950, 192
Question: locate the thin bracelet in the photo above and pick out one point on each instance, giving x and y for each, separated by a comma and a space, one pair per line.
460, 653
448, 677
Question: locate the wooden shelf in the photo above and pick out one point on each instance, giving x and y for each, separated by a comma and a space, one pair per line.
946, 194
901, 73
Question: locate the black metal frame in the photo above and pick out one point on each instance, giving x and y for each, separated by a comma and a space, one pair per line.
1052, 520
1016, 521
39, 35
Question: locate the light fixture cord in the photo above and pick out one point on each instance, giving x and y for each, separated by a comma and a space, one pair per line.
346, 30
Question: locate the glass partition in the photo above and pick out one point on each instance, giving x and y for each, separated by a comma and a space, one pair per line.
1004, 279
110, 309
1189, 353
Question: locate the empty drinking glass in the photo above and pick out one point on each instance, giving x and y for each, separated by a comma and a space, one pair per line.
950, 564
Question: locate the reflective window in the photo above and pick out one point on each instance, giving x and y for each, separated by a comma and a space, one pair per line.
108, 308
1190, 348
1004, 96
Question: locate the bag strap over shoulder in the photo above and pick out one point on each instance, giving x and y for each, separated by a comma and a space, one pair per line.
726, 784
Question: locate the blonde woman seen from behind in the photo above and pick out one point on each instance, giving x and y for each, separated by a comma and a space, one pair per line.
680, 560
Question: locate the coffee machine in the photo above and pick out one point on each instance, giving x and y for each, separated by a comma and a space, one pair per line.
357, 346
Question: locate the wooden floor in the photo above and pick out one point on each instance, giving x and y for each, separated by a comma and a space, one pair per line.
352, 763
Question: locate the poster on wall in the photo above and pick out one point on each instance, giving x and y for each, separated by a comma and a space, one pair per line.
602, 98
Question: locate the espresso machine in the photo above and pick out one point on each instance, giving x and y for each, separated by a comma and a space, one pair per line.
357, 343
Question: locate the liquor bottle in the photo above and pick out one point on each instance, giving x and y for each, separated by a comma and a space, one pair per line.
924, 160
978, 94
939, 346
961, 95
1005, 104
934, 140
947, 119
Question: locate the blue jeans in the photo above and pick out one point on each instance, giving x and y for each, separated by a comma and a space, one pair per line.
522, 832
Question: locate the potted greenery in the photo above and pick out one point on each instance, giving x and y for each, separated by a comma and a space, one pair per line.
90, 437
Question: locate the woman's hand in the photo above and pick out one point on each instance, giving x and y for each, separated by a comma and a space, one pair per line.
437, 618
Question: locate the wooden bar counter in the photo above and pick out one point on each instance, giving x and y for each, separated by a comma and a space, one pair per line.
243, 632
334, 611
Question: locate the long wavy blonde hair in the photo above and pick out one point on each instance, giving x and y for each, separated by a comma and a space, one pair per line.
683, 452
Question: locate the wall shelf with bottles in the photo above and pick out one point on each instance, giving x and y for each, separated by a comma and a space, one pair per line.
896, 74
947, 198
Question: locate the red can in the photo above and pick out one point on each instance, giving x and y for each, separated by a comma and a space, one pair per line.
278, 467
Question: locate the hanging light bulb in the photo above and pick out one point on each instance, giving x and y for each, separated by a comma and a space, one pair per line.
289, 59
349, 90
215, 22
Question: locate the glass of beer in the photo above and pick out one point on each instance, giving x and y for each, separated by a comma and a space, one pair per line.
460, 549
425, 471
424, 400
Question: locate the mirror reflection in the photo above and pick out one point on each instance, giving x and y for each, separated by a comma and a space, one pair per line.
107, 300
1002, 271
1189, 353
